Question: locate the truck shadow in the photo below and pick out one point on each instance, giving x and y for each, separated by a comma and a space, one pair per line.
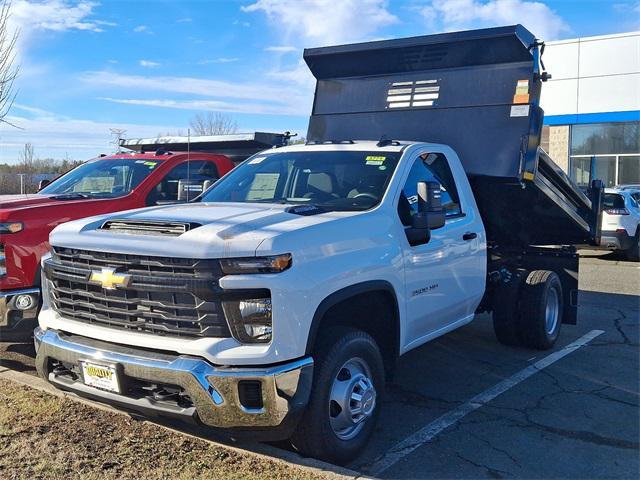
18, 356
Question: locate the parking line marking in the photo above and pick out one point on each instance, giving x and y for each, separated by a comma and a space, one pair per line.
430, 431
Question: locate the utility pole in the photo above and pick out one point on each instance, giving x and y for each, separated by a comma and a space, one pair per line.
21, 175
117, 134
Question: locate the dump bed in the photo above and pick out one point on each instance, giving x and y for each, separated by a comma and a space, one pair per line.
236, 146
476, 91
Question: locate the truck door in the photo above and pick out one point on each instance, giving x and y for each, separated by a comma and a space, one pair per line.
444, 277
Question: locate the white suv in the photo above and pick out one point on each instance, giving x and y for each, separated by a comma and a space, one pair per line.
621, 221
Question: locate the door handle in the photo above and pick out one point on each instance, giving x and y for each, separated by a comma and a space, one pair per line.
469, 236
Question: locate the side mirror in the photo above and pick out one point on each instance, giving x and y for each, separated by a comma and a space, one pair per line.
43, 183
430, 214
188, 189
435, 212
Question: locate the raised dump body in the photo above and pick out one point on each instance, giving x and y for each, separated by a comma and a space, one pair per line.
477, 92
236, 146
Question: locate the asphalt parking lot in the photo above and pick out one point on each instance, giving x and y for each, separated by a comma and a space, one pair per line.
465, 406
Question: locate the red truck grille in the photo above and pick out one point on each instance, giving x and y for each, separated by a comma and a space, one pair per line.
167, 296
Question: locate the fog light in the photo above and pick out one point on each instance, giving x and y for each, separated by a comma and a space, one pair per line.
24, 302
249, 320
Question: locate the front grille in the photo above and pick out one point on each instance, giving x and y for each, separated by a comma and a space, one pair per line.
167, 296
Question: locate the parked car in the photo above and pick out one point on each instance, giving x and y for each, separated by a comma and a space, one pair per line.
104, 184
277, 304
621, 221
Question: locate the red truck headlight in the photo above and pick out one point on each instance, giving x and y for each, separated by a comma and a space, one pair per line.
11, 227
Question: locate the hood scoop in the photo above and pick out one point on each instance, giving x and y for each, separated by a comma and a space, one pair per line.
149, 227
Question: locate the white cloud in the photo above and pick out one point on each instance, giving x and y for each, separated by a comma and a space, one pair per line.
282, 49
241, 23
55, 15
450, 15
149, 64
324, 22
142, 29
184, 20
219, 60
190, 85
57, 136
256, 108
268, 98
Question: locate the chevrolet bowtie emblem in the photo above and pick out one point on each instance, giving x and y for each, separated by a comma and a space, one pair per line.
109, 279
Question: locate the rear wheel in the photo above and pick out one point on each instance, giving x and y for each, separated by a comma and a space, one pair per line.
541, 307
344, 404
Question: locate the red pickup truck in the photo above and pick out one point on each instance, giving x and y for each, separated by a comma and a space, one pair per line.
102, 185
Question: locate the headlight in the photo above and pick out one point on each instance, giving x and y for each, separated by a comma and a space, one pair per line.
273, 264
11, 227
3, 261
249, 320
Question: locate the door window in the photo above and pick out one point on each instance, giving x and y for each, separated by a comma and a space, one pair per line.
184, 182
429, 167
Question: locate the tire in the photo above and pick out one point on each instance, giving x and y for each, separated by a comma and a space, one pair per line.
343, 355
541, 306
505, 310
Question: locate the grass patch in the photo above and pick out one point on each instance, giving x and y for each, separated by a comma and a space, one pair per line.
42, 436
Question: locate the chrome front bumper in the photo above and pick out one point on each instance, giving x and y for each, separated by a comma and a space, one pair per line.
213, 391
8, 306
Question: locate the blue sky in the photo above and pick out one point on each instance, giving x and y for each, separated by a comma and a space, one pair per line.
148, 66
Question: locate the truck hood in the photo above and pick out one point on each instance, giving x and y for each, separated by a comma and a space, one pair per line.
227, 230
15, 203
25, 201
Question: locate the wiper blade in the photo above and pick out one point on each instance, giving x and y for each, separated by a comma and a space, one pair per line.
70, 196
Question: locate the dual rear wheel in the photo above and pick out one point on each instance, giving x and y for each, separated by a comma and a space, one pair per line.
530, 314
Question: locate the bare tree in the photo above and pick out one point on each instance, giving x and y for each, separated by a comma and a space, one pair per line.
8, 71
213, 123
27, 163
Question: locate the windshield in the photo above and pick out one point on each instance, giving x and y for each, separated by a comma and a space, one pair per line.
332, 180
110, 178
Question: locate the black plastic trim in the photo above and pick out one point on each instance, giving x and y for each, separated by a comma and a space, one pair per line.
344, 294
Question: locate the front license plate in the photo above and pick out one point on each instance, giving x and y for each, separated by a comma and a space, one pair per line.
104, 377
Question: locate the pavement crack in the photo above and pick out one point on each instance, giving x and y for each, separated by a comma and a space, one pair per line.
491, 471
499, 450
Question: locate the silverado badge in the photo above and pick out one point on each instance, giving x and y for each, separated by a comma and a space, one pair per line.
109, 279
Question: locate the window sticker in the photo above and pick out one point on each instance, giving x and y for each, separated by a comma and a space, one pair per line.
256, 160
263, 186
375, 160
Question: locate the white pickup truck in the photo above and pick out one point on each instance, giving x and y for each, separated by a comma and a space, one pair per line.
278, 302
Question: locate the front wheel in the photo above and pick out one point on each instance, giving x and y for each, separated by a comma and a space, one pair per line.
344, 403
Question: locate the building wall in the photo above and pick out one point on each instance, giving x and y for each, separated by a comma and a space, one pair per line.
595, 75
592, 107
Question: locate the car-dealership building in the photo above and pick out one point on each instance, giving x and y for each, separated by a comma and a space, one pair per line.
592, 107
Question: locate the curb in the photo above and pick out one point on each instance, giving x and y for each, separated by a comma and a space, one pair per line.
258, 450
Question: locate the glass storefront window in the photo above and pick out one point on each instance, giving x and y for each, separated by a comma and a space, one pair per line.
605, 138
604, 168
581, 171
629, 170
